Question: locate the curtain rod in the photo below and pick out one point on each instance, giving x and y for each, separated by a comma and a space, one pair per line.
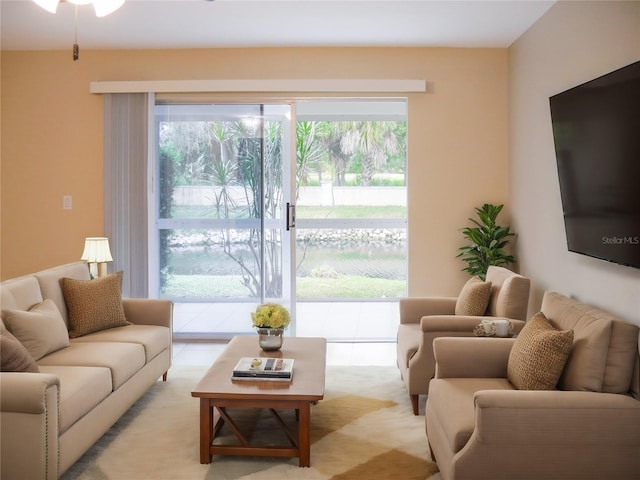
262, 85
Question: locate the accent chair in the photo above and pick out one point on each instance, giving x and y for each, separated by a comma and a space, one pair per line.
424, 318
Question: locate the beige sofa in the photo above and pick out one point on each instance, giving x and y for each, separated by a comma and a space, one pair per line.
588, 427
424, 318
51, 418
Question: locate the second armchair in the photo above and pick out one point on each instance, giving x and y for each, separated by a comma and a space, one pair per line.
424, 318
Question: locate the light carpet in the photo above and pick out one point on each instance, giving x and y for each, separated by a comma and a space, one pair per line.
363, 429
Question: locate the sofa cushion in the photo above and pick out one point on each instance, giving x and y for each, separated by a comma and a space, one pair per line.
452, 401
509, 295
13, 356
587, 363
474, 297
623, 353
153, 338
123, 359
49, 281
20, 293
81, 389
41, 330
538, 355
94, 305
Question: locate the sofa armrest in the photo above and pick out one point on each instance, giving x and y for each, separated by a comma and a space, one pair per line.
149, 311
472, 357
555, 417
29, 425
412, 309
25, 392
556, 434
461, 323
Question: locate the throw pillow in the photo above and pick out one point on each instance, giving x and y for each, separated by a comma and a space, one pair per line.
13, 356
539, 355
41, 329
94, 305
474, 297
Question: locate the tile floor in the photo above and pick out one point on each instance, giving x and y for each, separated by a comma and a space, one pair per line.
336, 321
358, 333
342, 353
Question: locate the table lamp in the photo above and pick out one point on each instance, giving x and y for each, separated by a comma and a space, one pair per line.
97, 254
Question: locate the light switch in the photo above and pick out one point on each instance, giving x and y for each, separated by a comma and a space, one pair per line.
66, 202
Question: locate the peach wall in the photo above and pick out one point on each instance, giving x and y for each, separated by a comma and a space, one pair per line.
52, 132
572, 43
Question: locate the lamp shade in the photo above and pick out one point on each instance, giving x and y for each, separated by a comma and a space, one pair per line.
96, 249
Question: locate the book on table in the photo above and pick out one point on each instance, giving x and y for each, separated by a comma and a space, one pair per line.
251, 368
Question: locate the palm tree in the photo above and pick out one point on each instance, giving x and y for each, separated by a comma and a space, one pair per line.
338, 159
374, 140
309, 152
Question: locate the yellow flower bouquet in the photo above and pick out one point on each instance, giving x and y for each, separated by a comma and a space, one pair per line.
270, 315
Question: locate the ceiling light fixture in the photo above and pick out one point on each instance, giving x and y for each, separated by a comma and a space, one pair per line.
102, 8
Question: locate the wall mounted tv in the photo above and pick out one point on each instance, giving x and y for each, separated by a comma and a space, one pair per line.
596, 132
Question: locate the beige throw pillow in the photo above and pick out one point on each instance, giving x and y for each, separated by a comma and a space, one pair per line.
41, 329
539, 355
13, 356
94, 305
474, 297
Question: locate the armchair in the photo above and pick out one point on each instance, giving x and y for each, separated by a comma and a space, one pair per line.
480, 425
424, 318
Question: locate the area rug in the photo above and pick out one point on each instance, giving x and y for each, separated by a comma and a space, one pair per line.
363, 429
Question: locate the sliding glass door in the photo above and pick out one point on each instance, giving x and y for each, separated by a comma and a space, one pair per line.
351, 242
223, 186
225, 238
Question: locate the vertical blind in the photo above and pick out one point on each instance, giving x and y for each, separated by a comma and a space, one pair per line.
126, 186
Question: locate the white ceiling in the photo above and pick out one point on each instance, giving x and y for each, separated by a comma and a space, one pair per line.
258, 23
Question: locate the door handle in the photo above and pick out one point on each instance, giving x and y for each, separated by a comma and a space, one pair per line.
291, 216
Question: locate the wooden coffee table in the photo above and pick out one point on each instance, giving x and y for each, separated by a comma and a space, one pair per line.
218, 392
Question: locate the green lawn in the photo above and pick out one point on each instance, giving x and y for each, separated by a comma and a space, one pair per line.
352, 211
345, 211
211, 286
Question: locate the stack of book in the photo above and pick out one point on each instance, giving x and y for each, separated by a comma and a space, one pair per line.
272, 369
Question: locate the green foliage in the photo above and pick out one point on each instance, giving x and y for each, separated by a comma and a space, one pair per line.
488, 240
380, 180
167, 181
309, 149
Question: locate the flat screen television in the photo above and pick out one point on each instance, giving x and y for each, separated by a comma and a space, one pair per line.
596, 133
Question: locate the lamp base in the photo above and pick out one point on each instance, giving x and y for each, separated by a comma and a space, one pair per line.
97, 270
93, 269
102, 269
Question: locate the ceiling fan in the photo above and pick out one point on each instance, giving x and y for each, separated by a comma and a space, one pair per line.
102, 7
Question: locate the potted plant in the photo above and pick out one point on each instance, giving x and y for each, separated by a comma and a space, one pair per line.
270, 319
488, 240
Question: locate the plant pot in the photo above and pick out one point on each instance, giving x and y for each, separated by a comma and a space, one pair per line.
270, 339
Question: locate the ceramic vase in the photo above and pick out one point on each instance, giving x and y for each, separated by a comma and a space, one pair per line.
270, 339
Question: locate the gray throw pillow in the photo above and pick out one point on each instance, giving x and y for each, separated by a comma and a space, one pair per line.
13, 356
41, 329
